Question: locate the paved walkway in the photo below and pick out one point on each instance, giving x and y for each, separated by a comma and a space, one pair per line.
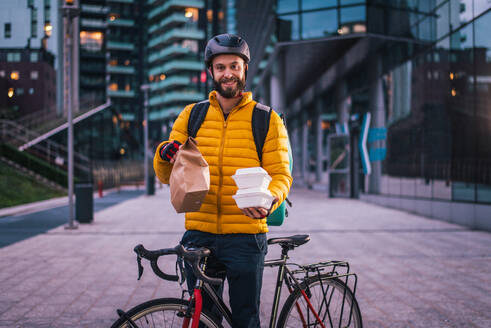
413, 271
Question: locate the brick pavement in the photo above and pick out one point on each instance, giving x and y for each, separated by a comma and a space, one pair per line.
413, 271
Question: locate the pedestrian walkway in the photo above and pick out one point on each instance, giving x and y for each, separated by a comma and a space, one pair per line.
413, 271
25, 221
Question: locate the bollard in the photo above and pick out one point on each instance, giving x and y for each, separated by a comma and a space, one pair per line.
99, 188
84, 203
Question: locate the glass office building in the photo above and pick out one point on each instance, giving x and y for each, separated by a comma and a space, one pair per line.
174, 62
420, 68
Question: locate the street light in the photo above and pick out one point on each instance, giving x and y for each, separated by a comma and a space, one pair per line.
145, 88
69, 10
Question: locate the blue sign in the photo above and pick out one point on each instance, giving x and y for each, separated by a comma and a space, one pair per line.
362, 144
377, 154
375, 134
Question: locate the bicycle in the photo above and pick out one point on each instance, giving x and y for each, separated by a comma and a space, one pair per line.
319, 294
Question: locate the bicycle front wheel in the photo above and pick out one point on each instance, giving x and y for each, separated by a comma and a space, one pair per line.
331, 299
163, 312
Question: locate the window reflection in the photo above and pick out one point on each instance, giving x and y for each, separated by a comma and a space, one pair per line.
288, 28
286, 6
319, 24
442, 21
481, 6
316, 4
351, 15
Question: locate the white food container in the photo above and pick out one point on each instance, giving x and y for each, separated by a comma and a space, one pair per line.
253, 197
252, 177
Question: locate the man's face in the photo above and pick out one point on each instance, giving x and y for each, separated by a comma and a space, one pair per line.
228, 75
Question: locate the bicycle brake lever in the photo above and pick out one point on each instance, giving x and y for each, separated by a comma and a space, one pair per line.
140, 266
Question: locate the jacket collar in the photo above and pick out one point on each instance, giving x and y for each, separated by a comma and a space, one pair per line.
246, 98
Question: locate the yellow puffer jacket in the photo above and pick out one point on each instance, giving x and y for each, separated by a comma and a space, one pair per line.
228, 145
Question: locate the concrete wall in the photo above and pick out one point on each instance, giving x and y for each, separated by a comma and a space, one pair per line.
474, 216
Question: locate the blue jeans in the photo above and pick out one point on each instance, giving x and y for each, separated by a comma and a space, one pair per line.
239, 258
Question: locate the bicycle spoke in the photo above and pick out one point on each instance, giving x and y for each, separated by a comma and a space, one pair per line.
331, 303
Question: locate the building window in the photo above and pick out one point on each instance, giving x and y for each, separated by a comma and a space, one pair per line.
10, 92
34, 23
34, 75
14, 75
20, 91
31, 91
34, 57
7, 30
2, 73
113, 87
13, 57
91, 41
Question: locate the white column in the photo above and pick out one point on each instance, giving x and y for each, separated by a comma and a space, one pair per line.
377, 110
317, 123
277, 87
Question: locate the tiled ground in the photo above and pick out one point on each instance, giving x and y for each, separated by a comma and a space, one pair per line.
412, 271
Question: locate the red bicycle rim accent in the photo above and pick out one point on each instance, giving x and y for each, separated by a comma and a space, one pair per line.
312, 308
299, 310
198, 303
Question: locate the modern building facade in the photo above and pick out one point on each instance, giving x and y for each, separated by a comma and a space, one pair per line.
421, 69
27, 56
178, 32
30, 85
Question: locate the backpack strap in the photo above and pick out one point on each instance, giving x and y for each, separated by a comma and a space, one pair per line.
197, 116
261, 116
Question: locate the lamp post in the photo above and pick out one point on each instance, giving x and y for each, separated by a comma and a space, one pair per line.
145, 88
69, 10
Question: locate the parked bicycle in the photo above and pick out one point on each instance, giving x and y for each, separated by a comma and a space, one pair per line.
319, 293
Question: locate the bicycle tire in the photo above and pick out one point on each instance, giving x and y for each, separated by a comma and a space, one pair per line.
289, 316
163, 312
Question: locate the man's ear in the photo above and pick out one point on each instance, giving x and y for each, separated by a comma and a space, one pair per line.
210, 70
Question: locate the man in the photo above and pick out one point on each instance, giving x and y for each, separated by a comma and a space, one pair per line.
236, 237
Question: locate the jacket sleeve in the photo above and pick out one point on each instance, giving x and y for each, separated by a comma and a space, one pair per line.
275, 159
180, 133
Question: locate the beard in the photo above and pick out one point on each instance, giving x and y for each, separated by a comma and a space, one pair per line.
229, 92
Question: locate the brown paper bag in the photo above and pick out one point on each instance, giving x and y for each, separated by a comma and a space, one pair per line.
190, 178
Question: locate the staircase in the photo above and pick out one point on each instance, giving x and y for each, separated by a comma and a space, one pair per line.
37, 143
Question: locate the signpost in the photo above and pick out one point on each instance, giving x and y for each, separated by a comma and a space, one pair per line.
362, 144
69, 11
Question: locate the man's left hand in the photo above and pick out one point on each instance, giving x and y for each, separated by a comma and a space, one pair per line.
258, 212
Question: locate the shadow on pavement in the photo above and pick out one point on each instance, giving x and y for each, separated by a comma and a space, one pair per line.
17, 228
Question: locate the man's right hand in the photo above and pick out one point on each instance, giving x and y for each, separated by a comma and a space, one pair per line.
169, 151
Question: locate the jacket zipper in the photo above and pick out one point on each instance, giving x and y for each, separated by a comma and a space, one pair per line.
220, 179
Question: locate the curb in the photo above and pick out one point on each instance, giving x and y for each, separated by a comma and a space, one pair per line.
51, 203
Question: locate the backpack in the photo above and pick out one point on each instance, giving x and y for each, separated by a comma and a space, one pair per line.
260, 126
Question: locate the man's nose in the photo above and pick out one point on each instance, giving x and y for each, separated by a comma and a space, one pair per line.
227, 73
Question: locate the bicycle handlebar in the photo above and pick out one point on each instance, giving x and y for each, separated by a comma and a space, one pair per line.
192, 256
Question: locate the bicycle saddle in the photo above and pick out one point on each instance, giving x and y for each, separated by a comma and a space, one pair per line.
295, 240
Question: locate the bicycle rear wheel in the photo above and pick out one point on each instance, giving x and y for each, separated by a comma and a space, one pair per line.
332, 300
163, 312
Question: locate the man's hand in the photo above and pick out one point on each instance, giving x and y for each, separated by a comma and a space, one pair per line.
258, 212
169, 151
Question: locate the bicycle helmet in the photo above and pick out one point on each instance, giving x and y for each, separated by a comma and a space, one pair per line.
226, 44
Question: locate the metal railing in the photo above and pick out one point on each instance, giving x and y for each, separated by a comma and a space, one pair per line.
54, 153
116, 174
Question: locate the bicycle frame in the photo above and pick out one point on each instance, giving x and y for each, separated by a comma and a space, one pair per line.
280, 279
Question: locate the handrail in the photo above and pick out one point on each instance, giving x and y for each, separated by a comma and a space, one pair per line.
48, 150
64, 126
